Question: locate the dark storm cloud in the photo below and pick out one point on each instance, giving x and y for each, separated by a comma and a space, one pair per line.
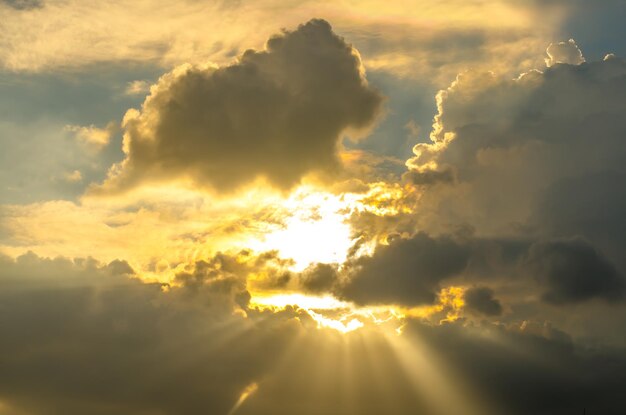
278, 114
407, 271
81, 337
481, 300
561, 271
573, 270
592, 205
411, 271
530, 369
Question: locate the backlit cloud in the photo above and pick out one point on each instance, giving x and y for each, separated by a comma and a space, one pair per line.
276, 114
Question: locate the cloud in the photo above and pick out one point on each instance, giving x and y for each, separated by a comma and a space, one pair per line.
407, 271
319, 277
137, 87
426, 177
564, 52
74, 176
278, 114
87, 337
511, 142
84, 337
81, 336
538, 161
573, 270
92, 136
436, 38
589, 205
528, 370
481, 300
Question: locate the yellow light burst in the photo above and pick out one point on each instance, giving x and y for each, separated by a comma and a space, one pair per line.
329, 312
317, 228
249, 390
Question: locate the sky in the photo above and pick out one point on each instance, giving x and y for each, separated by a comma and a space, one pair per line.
350, 207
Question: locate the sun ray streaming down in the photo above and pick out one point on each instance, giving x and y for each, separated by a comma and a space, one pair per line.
443, 391
247, 392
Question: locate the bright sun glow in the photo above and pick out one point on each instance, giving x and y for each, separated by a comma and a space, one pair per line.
316, 231
317, 228
328, 312
313, 302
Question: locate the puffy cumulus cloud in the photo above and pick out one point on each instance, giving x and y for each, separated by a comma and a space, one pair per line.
278, 114
515, 143
564, 52
538, 165
407, 271
481, 300
573, 270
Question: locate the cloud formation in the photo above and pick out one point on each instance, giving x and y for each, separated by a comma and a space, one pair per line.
573, 270
517, 145
481, 300
407, 271
564, 52
277, 114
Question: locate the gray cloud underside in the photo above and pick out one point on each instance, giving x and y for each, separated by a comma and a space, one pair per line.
412, 271
82, 337
481, 300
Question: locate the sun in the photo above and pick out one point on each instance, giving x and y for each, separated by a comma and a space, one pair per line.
316, 230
